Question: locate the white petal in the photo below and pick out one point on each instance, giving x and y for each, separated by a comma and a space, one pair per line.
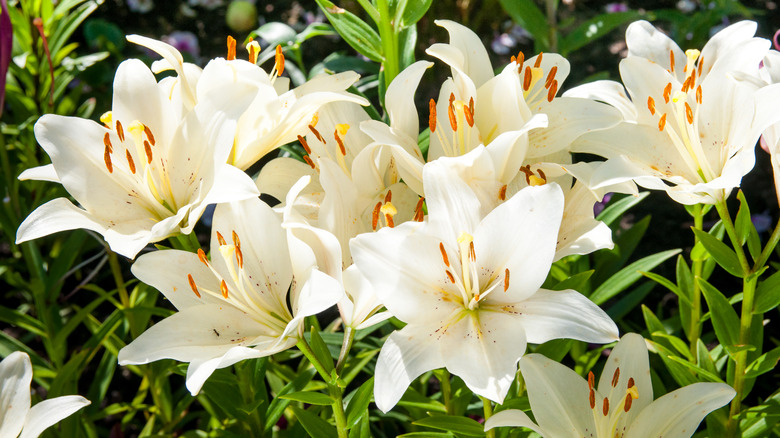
167, 272
200, 369
399, 99
49, 412
610, 92
319, 292
475, 61
133, 80
559, 398
230, 184
40, 173
565, 314
195, 333
453, 208
519, 235
645, 41
15, 378
404, 356
278, 176
483, 350
513, 418
679, 413
630, 356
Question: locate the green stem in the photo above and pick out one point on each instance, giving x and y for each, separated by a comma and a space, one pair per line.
306, 350
446, 390
768, 249
694, 331
116, 271
725, 217
487, 409
346, 345
552, 24
745, 326
389, 42
338, 410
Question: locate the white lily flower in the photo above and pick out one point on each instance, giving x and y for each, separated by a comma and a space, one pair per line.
567, 406
476, 108
696, 116
144, 174
770, 74
234, 306
468, 288
17, 418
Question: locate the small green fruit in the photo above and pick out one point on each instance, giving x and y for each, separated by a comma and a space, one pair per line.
241, 16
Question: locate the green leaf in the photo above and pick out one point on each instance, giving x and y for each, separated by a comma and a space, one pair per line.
357, 407
312, 398
451, 423
355, 31
616, 209
680, 373
721, 253
765, 363
314, 425
529, 16
278, 405
724, 318
426, 435
663, 281
629, 275
414, 11
767, 294
576, 281
594, 29
320, 350
654, 325
742, 224
703, 374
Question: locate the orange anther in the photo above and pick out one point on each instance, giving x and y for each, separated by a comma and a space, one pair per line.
605, 407
107, 159
538, 60
631, 383
418, 211
107, 142
223, 288
149, 135
305, 144
520, 60
698, 94
667, 92
279, 59
221, 239
502, 193
236, 240
444, 254
615, 377
527, 79
193, 286
629, 401
550, 76
239, 258
148, 150
453, 120
671, 61
231, 48
472, 254
591, 380
375, 215
130, 161
308, 161
317, 134
552, 91
506, 279
689, 113
119, 131
592, 398
432, 115
389, 220
202, 257
389, 196
450, 276
651, 104
701, 63
342, 148
662, 122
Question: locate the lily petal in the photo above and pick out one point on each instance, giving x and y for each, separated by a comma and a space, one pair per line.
49, 412
15, 378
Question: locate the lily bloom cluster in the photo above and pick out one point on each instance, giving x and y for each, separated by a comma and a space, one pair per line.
456, 244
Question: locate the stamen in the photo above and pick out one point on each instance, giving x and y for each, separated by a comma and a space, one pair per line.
119, 131
541, 174
469, 115
308, 161
107, 159
627, 404
534, 181
471, 107
671, 61
236, 240
667, 92
452, 98
388, 196
651, 105
149, 135
193, 286
591, 379
202, 257
130, 161
231, 48
418, 211
552, 91
107, 119
701, 63
520, 60
453, 120
253, 47
538, 60
239, 258
527, 79
224, 289
450, 276
689, 113
605, 407
432, 115
148, 150
342, 128
389, 211
317, 134
550, 76
698, 94
502, 193
107, 142
506, 279
221, 239
472, 254
342, 149
631, 383
615, 377
662, 122
375, 215
279, 61
592, 398
444, 254
305, 144
528, 173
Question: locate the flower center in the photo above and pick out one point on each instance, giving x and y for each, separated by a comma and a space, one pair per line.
138, 166
467, 279
679, 117
461, 119
254, 296
610, 413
